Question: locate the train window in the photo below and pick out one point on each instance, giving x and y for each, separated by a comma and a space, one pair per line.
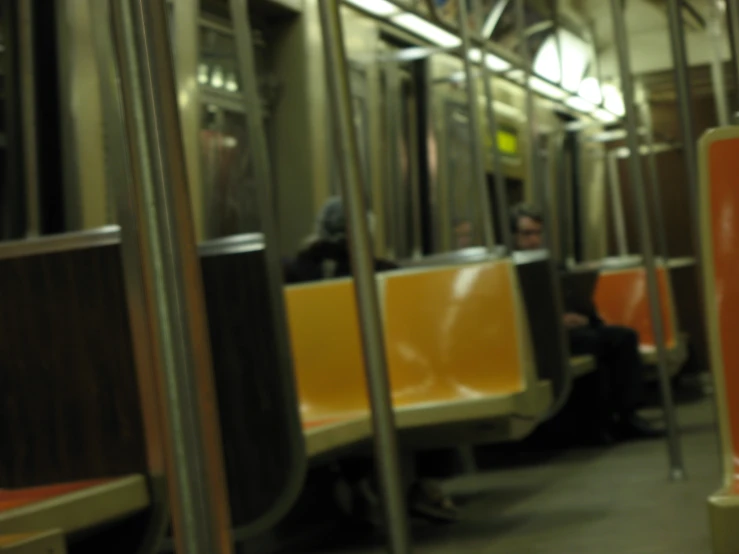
358, 80
460, 177
229, 195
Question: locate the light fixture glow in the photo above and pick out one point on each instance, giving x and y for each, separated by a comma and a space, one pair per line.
580, 104
216, 79
590, 90
231, 84
380, 8
613, 101
547, 89
575, 57
203, 74
419, 26
494, 63
605, 116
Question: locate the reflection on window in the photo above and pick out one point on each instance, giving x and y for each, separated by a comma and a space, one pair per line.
460, 176
217, 67
229, 189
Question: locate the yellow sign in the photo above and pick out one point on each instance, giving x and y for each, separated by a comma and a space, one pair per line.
507, 143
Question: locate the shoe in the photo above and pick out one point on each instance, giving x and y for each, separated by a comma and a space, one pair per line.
598, 437
426, 500
634, 427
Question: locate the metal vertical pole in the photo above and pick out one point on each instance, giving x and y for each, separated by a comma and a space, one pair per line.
375, 364
478, 161
733, 13
677, 471
501, 186
659, 218
715, 24
682, 84
27, 65
533, 166
159, 209
617, 205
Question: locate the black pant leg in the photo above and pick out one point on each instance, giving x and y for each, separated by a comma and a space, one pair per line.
594, 398
626, 373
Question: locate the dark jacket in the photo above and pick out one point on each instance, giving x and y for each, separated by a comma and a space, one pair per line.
309, 264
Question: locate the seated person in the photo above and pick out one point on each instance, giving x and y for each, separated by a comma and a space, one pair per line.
616, 349
324, 256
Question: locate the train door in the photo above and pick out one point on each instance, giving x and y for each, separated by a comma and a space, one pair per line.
400, 181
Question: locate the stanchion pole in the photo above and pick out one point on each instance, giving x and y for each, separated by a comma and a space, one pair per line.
501, 186
375, 364
677, 471
478, 161
158, 217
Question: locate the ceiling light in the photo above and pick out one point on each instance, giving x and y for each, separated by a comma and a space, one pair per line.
590, 90
547, 89
494, 63
380, 8
203, 74
216, 79
575, 58
605, 116
429, 31
612, 100
231, 84
580, 104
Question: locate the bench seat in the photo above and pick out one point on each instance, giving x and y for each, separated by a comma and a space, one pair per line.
72, 507
582, 365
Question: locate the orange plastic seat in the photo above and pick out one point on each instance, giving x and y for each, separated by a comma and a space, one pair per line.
457, 346
328, 364
719, 228
622, 299
452, 333
71, 507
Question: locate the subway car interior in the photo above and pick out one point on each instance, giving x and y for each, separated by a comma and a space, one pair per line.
435, 276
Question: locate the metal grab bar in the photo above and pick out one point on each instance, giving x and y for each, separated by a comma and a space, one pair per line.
677, 470
375, 364
501, 190
478, 164
157, 221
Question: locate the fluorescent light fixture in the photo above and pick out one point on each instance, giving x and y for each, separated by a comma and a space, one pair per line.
547, 89
216, 79
516, 75
605, 116
613, 101
580, 104
203, 74
231, 84
419, 26
575, 58
494, 63
380, 8
590, 90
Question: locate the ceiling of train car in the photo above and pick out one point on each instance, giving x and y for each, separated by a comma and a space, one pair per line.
646, 21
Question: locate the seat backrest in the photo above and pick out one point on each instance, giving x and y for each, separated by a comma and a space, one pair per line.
69, 407
263, 441
327, 351
538, 278
622, 299
719, 230
454, 331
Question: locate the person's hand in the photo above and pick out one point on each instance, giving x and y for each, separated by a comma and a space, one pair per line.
573, 321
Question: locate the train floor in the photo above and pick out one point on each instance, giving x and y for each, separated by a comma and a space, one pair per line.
579, 501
